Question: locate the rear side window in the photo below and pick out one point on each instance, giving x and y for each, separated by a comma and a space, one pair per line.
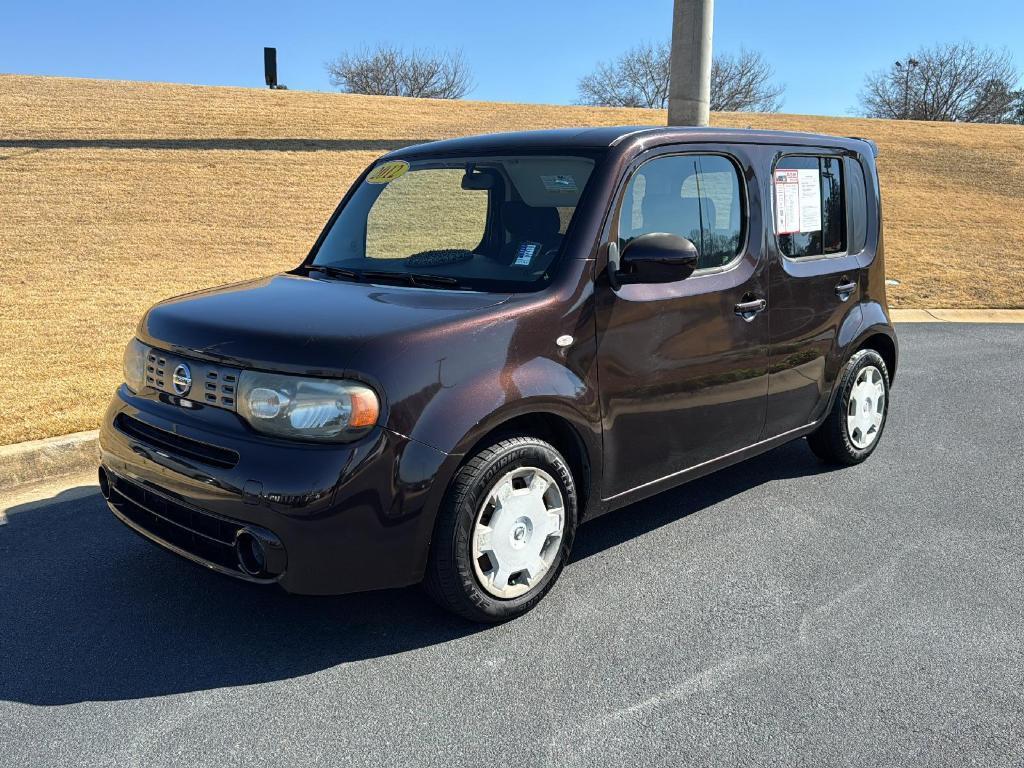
693, 196
856, 205
810, 206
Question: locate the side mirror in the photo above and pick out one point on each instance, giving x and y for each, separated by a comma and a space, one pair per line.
656, 257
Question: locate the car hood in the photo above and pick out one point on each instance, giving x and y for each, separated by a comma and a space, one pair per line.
314, 325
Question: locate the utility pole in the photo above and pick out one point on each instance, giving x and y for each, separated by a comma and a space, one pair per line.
689, 94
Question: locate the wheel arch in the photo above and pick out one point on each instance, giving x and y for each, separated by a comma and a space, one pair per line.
567, 436
885, 346
570, 435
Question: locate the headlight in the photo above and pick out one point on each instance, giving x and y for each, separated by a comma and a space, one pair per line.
135, 365
306, 409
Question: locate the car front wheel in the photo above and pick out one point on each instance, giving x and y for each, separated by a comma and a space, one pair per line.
504, 531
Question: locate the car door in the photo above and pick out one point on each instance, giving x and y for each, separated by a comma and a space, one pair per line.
683, 366
815, 282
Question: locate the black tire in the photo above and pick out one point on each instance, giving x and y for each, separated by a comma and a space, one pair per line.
831, 440
450, 577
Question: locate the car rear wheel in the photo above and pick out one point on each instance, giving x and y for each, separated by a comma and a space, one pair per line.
504, 531
851, 431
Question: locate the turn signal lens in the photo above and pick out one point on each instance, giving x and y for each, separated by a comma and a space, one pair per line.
306, 408
365, 408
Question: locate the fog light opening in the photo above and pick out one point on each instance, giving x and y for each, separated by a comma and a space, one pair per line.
252, 558
104, 484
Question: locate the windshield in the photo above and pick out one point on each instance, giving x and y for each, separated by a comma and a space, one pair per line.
486, 223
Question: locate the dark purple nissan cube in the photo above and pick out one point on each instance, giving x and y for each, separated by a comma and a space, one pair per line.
498, 338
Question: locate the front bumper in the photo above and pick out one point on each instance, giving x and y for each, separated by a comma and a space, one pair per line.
334, 518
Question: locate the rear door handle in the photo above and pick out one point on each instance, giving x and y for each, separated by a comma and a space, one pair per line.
845, 290
748, 310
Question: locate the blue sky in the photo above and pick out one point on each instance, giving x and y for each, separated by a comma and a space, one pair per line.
524, 50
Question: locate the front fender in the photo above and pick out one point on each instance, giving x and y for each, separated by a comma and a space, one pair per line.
463, 416
460, 417
448, 387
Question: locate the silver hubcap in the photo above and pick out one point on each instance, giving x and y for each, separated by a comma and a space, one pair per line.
866, 407
518, 532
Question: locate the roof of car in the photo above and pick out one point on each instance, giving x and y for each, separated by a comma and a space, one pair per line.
610, 136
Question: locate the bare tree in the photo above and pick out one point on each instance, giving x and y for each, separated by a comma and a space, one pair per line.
389, 70
640, 78
743, 83
960, 82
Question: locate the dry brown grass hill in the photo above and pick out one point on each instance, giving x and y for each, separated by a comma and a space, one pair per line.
116, 194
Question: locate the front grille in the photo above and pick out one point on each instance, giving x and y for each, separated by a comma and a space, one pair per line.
175, 444
201, 534
211, 384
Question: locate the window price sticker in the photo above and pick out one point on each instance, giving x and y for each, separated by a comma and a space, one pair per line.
797, 201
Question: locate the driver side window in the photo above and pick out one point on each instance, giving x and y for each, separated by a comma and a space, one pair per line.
693, 196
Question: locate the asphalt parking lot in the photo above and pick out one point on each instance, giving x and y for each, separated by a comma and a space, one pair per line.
774, 614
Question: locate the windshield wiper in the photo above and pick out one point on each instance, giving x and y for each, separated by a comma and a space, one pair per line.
411, 278
327, 269
408, 278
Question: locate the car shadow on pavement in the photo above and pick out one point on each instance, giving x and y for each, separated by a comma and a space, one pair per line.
91, 612
788, 461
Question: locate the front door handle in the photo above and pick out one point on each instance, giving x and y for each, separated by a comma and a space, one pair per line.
845, 289
748, 310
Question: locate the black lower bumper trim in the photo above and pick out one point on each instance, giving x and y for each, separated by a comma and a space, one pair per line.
196, 534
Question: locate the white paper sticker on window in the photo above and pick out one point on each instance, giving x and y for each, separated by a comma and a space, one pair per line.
797, 201
810, 200
787, 202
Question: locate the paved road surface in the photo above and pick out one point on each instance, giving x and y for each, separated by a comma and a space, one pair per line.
775, 614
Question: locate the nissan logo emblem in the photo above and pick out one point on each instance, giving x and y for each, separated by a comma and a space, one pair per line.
181, 380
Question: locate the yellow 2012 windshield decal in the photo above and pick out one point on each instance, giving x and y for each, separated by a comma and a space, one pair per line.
387, 172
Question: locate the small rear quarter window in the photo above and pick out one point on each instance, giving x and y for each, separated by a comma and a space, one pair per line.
856, 205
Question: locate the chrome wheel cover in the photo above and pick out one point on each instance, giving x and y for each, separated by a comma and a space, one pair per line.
518, 532
866, 408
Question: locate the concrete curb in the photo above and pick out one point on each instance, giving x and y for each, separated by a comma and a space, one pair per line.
35, 460
957, 315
